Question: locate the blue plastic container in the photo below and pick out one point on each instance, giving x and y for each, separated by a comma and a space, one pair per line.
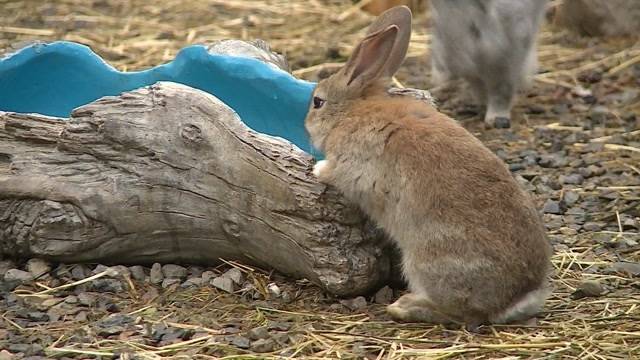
54, 78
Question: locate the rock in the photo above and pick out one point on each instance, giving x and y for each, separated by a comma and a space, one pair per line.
172, 271
592, 226
120, 271
192, 282
18, 348
107, 285
99, 269
207, 276
263, 345
572, 179
552, 161
224, 284
80, 271
5, 265
81, 316
50, 302
384, 295
5, 355
629, 268
238, 341
279, 326
257, 333
235, 275
554, 207
137, 272
113, 324
87, 299
570, 197
355, 304
38, 267
195, 271
281, 338
588, 288
37, 316
18, 275
274, 290
170, 282
155, 276
71, 299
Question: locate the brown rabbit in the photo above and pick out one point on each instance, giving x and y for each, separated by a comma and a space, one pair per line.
474, 248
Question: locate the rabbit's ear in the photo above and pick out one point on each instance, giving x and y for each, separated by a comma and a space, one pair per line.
399, 16
370, 58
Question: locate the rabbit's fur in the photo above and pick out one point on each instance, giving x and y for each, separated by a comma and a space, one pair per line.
474, 248
491, 44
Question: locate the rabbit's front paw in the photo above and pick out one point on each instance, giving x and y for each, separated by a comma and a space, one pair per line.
320, 169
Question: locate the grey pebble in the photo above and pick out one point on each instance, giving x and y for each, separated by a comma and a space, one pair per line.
137, 272
18, 275
155, 275
263, 345
38, 267
257, 333
553, 207
235, 275
588, 288
384, 295
170, 282
238, 341
80, 271
224, 284
355, 304
87, 299
174, 271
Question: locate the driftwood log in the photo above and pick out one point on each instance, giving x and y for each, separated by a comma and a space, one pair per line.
169, 173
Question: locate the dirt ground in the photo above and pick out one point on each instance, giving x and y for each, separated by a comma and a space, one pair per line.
575, 144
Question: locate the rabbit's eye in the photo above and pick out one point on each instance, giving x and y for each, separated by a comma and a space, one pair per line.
318, 102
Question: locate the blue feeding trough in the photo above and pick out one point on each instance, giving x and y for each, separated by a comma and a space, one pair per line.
53, 79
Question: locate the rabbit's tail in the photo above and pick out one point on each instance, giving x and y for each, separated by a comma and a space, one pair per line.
525, 308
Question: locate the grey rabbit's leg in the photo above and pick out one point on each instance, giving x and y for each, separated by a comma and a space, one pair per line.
414, 308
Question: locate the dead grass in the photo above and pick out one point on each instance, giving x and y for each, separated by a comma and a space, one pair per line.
136, 34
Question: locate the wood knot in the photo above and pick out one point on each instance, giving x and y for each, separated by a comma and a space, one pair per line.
191, 133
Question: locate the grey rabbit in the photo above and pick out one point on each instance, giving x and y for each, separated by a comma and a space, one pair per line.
489, 43
474, 249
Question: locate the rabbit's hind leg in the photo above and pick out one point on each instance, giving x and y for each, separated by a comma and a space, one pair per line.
415, 308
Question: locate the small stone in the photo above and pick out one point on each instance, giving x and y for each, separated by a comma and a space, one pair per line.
99, 269
113, 324
224, 284
80, 271
535, 109
355, 304
192, 282
38, 267
235, 275
5, 355
18, 348
195, 271
107, 285
260, 332
71, 299
384, 295
570, 197
552, 161
516, 167
5, 265
572, 179
87, 299
38, 316
18, 275
554, 207
137, 272
592, 226
173, 271
630, 268
238, 341
50, 302
155, 275
81, 316
120, 271
274, 290
170, 282
263, 345
207, 276
279, 326
588, 288
281, 338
